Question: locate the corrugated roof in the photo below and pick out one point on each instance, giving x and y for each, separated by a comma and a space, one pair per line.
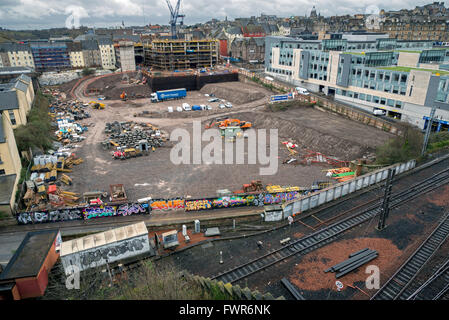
31, 254
103, 238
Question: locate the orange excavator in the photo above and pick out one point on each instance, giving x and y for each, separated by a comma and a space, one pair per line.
229, 123
124, 96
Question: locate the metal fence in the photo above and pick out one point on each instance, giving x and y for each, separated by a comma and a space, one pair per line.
318, 198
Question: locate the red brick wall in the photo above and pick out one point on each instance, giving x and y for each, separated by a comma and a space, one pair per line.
224, 47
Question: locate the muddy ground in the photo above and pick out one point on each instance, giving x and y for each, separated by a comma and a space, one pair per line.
157, 176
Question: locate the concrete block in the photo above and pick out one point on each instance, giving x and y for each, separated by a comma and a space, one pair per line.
237, 292
268, 296
228, 288
210, 232
247, 294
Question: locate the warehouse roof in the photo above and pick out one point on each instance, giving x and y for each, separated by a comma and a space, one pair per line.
103, 238
29, 257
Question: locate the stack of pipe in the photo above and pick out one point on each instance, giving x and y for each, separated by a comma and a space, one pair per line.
355, 260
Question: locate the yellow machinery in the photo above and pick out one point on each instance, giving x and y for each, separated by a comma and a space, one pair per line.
277, 188
97, 105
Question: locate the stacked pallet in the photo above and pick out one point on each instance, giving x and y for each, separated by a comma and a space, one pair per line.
355, 260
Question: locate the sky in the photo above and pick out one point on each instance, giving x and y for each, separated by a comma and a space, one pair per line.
42, 14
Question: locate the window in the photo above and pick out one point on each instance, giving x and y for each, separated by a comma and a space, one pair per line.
12, 117
2, 172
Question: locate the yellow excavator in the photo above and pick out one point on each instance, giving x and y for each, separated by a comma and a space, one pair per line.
97, 105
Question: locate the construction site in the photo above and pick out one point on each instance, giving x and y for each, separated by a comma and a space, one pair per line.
181, 55
118, 122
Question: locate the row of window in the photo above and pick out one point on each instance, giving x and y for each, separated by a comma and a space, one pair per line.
370, 98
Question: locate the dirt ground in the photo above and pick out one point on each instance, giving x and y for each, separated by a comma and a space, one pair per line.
156, 176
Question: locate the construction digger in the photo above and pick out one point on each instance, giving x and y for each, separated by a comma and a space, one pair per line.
229, 123
254, 186
97, 105
123, 96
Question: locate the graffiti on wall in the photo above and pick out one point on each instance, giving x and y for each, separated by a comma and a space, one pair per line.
257, 200
85, 213
49, 216
167, 204
110, 211
98, 256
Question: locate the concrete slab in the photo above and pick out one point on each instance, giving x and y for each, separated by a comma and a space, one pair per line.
210, 232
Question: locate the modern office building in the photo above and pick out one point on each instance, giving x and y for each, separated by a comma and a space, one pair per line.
404, 78
50, 56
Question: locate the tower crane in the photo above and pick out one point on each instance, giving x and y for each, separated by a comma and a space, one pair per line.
174, 17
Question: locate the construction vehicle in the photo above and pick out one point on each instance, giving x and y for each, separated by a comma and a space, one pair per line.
168, 95
124, 96
229, 123
127, 153
254, 186
66, 179
97, 105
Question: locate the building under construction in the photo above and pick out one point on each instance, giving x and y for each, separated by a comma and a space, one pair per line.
181, 54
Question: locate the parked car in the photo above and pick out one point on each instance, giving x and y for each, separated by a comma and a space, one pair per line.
379, 112
196, 108
228, 105
186, 107
179, 109
206, 95
213, 100
170, 109
221, 106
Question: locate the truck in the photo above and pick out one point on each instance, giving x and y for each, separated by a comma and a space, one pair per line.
168, 94
281, 97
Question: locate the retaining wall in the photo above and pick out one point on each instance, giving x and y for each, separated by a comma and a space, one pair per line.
337, 191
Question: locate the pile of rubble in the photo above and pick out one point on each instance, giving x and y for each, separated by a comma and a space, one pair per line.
55, 78
129, 139
47, 174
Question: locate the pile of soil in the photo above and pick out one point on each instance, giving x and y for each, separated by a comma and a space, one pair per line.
233, 92
112, 87
309, 137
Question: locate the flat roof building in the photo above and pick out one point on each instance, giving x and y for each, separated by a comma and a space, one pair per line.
404, 78
26, 274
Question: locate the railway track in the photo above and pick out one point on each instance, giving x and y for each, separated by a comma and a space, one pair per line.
435, 287
398, 286
330, 233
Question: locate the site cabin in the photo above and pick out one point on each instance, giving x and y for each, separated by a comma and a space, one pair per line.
164, 95
170, 239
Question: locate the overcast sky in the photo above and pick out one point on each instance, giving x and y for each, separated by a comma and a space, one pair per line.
41, 14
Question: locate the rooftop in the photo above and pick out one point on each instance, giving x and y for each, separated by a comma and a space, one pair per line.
29, 257
408, 69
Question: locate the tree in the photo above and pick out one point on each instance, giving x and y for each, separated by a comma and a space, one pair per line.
402, 148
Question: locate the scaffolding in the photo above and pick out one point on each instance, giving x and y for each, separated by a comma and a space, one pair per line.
181, 54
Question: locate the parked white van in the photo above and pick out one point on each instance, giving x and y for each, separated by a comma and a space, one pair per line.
301, 90
186, 107
170, 109
379, 112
